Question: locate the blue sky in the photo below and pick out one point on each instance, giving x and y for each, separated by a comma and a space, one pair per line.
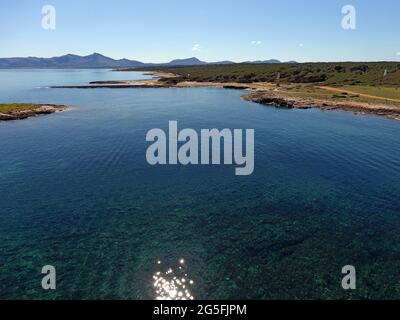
238, 30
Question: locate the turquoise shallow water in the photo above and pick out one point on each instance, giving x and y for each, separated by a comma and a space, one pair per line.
76, 192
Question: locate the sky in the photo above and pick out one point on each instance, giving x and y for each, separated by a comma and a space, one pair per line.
237, 30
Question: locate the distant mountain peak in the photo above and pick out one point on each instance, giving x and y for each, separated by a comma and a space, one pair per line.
186, 62
94, 60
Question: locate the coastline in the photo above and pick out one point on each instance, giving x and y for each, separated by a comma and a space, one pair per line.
280, 101
265, 93
24, 111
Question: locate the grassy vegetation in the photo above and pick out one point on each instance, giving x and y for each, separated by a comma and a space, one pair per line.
15, 107
356, 80
339, 73
380, 91
317, 92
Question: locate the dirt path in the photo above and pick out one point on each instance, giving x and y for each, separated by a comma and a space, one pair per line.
357, 93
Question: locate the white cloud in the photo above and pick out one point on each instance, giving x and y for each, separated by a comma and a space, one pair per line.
256, 42
301, 45
196, 47
398, 53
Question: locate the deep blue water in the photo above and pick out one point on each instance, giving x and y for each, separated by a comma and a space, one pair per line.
77, 193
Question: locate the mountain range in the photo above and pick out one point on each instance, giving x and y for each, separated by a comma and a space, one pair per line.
97, 60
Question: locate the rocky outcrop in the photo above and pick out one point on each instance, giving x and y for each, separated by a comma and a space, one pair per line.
278, 100
23, 114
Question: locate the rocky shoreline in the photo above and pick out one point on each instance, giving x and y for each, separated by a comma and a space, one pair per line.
279, 101
31, 112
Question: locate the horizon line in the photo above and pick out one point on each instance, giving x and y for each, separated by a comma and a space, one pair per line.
194, 57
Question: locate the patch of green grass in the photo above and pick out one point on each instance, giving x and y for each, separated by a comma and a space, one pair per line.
379, 91
15, 107
312, 91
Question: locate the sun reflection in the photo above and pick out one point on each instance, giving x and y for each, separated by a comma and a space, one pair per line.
173, 284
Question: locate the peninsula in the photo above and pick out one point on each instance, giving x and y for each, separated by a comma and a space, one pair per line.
19, 111
361, 88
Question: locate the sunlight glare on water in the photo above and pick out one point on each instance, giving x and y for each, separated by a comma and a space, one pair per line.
173, 283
